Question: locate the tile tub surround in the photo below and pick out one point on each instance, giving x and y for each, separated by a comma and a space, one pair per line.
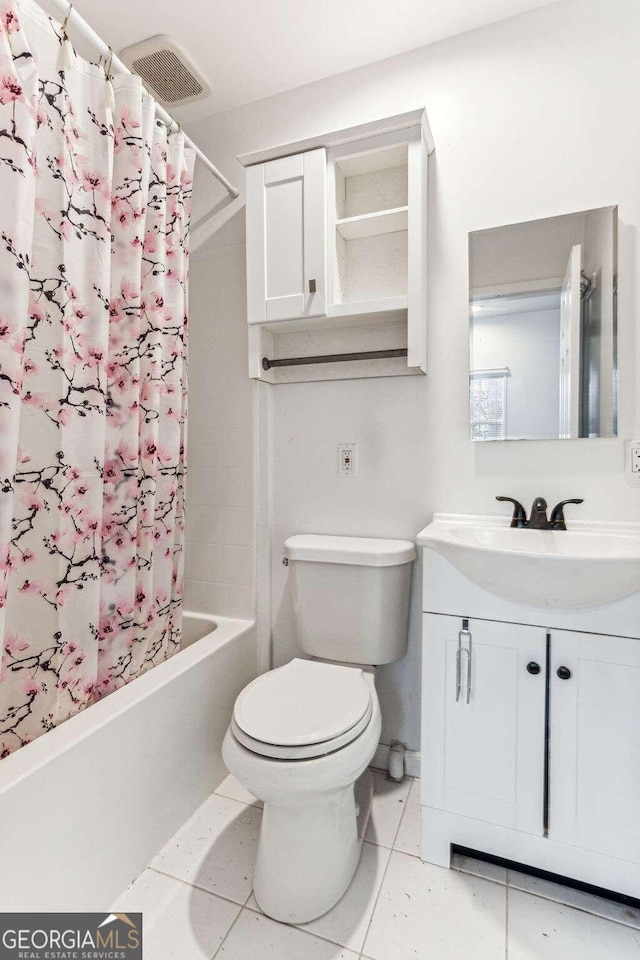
197, 901
220, 553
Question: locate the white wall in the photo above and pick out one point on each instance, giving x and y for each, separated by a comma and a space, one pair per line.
220, 554
535, 250
528, 344
532, 117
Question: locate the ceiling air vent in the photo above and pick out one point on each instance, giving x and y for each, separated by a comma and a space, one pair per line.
166, 71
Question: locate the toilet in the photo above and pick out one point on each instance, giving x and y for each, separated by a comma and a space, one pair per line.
302, 736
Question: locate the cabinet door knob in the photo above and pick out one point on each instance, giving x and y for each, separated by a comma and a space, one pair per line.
533, 668
312, 286
564, 673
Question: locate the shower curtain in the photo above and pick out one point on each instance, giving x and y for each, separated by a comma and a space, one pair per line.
94, 214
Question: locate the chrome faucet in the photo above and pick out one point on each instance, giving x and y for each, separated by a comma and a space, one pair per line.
538, 516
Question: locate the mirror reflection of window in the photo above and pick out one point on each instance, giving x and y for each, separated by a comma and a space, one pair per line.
488, 396
543, 328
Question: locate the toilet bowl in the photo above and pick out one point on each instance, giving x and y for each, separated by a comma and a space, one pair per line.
311, 833
302, 736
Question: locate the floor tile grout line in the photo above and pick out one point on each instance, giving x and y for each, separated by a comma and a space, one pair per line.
377, 842
196, 813
294, 926
392, 850
573, 906
196, 886
225, 796
222, 942
541, 896
375, 905
404, 813
233, 800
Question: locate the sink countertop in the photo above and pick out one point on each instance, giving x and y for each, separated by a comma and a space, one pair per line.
589, 564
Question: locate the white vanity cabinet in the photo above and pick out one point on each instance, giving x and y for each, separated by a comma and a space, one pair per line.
530, 732
594, 755
483, 745
336, 252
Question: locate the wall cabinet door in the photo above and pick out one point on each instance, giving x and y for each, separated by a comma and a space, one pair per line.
594, 750
286, 238
483, 734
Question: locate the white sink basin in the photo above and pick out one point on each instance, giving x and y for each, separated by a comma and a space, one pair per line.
585, 566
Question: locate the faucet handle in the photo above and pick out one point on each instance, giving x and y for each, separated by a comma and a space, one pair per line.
519, 518
557, 514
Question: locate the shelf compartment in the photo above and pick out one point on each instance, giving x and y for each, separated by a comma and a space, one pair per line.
371, 181
335, 336
368, 308
373, 224
370, 268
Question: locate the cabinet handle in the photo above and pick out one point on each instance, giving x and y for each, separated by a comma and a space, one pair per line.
464, 633
312, 286
469, 667
564, 673
533, 668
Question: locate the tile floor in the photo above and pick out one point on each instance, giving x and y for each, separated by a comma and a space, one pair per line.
197, 901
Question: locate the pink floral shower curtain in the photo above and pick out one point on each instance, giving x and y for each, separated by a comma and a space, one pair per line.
94, 214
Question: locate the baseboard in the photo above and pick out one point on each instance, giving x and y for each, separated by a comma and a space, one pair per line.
411, 760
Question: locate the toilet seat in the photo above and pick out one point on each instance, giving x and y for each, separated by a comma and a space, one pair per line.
305, 752
303, 710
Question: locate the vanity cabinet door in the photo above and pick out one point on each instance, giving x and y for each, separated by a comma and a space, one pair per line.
594, 750
483, 732
286, 238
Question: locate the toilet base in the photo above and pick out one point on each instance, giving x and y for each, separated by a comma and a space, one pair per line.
308, 852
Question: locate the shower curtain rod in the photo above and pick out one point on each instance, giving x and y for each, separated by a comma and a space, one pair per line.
67, 12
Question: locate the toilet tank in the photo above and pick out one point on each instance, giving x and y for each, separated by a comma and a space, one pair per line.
351, 596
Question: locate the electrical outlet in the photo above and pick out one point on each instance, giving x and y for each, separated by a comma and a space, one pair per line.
347, 462
633, 460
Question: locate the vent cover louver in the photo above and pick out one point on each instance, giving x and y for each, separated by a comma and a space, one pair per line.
166, 71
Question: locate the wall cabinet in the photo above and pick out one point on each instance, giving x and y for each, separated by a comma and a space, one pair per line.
336, 251
286, 228
530, 747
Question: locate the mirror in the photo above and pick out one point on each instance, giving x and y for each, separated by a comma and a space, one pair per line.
543, 328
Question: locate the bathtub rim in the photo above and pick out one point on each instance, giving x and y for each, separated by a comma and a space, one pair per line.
26, 760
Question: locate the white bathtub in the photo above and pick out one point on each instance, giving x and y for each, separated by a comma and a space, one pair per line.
85, 807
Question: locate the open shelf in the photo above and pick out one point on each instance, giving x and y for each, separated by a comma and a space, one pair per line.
335, 335
369, 264
370, 268
373, 224
371, 181
368, 308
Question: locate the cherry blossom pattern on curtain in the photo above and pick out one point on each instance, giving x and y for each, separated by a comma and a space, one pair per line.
96, 202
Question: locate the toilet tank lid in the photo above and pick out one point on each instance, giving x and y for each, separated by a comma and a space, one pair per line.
358, 551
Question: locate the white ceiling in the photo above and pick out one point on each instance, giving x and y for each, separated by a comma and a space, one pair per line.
250, 49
